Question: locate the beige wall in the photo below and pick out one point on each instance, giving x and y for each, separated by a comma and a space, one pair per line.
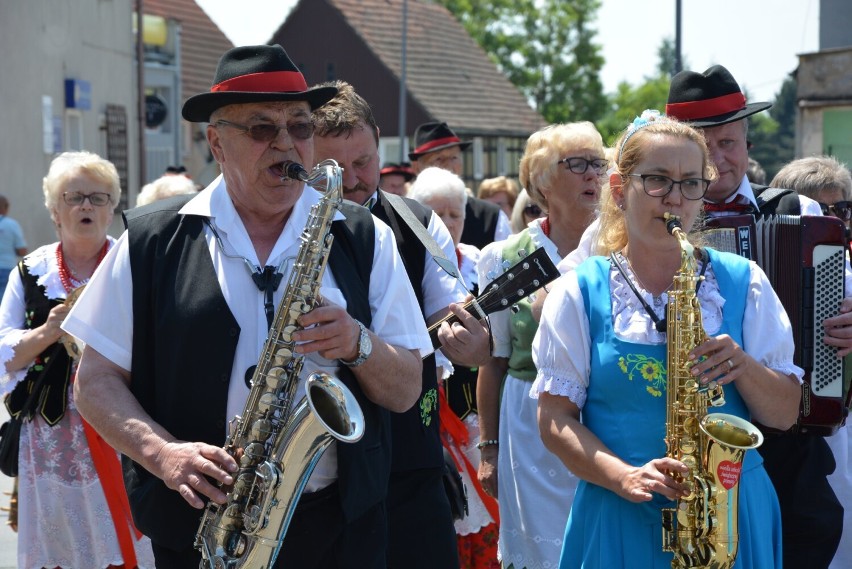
44, 42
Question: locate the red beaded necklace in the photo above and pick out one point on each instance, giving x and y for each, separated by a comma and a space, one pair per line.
545, 226
65, 274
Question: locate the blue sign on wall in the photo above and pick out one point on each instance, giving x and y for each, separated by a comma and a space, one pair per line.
78, 94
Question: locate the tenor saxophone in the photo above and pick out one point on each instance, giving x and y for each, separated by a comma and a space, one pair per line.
277, 442
701, 530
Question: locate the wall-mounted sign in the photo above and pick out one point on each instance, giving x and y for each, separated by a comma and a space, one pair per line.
78, 94
156, 111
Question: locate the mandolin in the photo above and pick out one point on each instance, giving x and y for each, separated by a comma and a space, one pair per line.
515, 284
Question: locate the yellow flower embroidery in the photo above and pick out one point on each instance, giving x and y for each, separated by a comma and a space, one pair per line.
650, 369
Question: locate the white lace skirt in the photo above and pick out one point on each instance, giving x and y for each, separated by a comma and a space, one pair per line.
535, 490
63, 518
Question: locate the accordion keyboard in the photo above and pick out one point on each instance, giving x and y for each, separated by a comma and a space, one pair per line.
827, 373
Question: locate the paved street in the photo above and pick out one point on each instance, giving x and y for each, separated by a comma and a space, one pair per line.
8, 538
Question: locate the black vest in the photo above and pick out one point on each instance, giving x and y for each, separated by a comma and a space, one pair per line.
416, 433
184, 341
53, 400
781, 202
480, 222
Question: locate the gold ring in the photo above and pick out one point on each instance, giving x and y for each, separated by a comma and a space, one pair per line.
730, 364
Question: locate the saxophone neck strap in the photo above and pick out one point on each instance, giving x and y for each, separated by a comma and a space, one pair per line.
428, 241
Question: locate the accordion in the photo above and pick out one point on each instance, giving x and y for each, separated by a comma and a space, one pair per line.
804, 258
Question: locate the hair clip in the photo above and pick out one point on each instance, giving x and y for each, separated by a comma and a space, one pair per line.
648, 117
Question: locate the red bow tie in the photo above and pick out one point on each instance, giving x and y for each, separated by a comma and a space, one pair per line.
732, 206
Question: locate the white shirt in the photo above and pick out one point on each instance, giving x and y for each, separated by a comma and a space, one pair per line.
562, 345
396, 315
490, 266
504, 228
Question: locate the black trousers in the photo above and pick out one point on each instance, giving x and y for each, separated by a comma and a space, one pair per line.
420, 524
811, 514
317, 538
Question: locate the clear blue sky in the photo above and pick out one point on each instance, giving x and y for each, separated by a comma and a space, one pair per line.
757, 40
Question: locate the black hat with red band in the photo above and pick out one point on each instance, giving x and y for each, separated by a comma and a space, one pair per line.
399, 169
434, 136
712, 98
255, 74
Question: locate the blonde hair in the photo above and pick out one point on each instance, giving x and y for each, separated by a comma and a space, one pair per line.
70, 164
613, 226
165, 187
493, 186
546, 147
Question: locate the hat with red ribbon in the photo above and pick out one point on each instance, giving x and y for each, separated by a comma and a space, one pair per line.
434, 136
712, 98
399, 169
254, 74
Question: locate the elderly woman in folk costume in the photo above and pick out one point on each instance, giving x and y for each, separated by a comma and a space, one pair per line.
73, 510
562, 169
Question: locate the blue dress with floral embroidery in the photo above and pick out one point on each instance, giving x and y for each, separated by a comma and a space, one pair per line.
626, 409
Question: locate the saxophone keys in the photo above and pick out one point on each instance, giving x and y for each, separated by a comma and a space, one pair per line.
282, 356
253, 453
267, 401
287, 333
261, 429
275, 378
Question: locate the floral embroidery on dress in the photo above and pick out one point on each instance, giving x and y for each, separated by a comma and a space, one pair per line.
651, 370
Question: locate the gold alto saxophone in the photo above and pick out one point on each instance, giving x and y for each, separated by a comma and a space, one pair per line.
277, 442
702, 529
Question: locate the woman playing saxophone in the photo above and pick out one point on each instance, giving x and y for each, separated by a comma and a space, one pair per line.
601, 355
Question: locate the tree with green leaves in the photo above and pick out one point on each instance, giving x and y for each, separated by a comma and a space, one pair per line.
546, 49
773, 136
629, 101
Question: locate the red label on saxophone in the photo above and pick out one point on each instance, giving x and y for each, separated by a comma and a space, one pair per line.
728, 473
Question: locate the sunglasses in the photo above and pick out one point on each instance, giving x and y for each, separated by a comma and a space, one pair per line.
532, 210
267, 132
841, 210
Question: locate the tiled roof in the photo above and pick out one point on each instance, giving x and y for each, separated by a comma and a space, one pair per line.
447, 72
202, 42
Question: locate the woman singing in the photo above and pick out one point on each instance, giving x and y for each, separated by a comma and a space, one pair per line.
72, 504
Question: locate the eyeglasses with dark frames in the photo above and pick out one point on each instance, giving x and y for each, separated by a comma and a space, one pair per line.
579, 165
658, 186
267, 132
841, 210
532, 210
96, 198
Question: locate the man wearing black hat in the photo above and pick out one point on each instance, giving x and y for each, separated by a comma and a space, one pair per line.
437, 145
797, 464
176, 321
418, 509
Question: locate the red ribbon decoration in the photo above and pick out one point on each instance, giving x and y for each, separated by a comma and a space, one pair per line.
707, 108
267, 82
454, 430
110, 474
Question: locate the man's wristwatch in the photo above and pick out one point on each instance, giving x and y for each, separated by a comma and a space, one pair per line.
365, 348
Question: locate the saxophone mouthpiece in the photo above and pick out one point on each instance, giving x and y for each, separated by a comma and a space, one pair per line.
294, 171
672, 222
